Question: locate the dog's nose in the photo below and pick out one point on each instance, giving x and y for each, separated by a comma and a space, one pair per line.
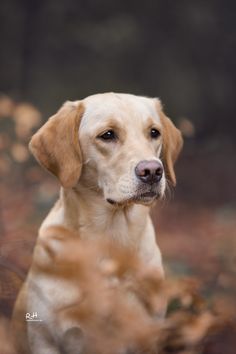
149, 171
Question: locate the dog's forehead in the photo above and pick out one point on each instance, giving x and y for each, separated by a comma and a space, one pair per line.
99, 107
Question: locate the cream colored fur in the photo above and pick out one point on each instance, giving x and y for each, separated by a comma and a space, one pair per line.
93, 172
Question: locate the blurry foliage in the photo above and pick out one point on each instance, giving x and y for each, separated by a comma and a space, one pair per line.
17, 122
120, 298
19, 176
5, 337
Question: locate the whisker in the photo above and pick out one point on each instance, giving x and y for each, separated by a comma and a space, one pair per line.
168, 194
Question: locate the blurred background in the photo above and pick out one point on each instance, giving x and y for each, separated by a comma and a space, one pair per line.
180, 51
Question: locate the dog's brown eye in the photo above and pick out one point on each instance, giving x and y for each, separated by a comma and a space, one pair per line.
154, 133
108, 135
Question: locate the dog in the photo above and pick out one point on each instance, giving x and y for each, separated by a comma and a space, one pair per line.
114, 156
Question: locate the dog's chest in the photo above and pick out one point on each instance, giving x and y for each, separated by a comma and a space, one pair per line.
116, 227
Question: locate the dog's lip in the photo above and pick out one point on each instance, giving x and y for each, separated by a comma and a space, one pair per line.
111, 201
145, 196
150, 194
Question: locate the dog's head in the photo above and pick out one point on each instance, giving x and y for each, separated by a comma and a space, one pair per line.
118, 144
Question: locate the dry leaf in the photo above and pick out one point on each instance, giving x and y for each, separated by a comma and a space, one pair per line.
6, 106
19, 152
26, 117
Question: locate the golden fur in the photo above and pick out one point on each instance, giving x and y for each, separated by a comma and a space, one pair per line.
101, 197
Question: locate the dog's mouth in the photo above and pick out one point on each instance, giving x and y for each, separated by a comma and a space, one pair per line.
139, 198
146, 195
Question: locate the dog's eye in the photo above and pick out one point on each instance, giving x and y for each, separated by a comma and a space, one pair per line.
154, 133
108, 135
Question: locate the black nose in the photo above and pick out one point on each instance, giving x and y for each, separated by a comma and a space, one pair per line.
149, 171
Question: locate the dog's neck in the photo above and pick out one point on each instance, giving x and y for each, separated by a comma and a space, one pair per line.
88, 213
100, 218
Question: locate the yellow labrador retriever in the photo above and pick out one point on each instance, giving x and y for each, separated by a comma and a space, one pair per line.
114, 155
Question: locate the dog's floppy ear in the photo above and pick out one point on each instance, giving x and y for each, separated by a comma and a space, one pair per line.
56, 146
172, 144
